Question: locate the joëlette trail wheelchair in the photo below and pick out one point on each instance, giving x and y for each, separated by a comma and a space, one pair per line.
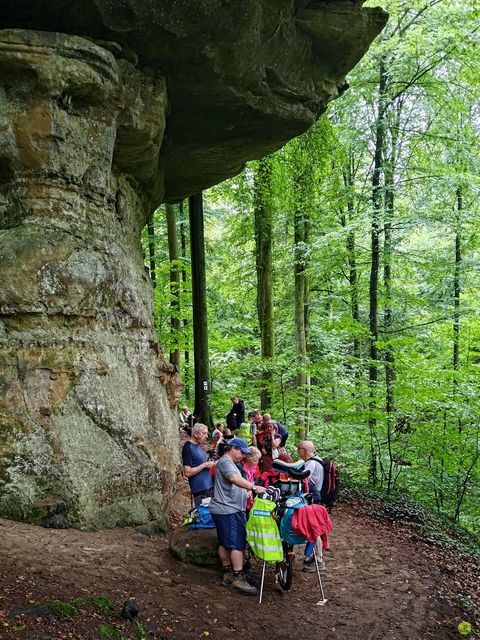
293, 495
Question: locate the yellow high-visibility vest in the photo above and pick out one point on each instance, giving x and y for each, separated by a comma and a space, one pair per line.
245, 433
262, 531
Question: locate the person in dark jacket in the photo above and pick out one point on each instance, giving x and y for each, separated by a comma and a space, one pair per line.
236, 415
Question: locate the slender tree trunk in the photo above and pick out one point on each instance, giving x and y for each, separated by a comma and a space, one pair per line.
457, 286
462, 491
461, 487
199, 302
377, 202
389, 355
151, 250
352, 266
186, 354
263, 212
175, 322
301, 303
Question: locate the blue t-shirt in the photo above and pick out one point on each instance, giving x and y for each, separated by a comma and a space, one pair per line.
192, 456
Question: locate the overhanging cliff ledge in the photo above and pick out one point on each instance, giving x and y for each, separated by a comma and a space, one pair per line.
242, 78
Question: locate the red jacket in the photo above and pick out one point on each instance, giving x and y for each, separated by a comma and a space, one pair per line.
312, 522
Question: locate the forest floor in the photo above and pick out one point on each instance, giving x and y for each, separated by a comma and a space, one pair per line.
383, 581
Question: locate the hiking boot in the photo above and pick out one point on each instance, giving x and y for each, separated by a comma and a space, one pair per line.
242, 585
309, 564
227, 578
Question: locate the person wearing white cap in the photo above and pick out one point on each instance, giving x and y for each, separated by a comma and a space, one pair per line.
228, 512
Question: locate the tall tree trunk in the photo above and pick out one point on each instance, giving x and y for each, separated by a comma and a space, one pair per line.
199, 302
306, 307
457, 285
175, 322
183, 245
301, 303
151, 250
377, 202
389, 355
263, 213
460, 488
347, 220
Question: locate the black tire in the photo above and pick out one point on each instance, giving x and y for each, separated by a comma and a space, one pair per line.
284, 570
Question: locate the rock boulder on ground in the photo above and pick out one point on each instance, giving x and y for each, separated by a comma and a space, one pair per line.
195, 547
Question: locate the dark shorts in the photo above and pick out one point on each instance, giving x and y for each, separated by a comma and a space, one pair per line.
231, 531
198, 497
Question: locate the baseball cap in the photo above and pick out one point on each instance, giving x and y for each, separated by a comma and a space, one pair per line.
238, 442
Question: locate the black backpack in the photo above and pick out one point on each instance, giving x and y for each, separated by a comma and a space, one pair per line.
331, 483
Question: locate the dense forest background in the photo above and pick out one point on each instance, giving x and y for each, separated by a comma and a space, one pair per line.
343, 271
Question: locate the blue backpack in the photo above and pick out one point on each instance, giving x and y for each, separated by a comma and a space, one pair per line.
202, 518
286, 533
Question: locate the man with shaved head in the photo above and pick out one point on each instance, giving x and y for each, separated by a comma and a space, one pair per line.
306, 451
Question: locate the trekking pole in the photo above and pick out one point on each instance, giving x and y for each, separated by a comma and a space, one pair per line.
261, 584
323, 600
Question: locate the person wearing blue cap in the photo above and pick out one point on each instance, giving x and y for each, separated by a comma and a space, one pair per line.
228, 507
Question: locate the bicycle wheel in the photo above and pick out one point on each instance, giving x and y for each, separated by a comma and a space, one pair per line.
284, 569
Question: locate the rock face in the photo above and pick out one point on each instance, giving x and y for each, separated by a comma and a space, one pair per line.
107, 109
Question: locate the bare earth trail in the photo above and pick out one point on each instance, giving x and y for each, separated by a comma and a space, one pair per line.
380, 584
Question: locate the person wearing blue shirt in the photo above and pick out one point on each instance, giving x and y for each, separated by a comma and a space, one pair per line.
196, 465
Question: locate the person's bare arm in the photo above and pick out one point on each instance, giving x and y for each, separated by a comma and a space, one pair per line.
237, 480
192, 471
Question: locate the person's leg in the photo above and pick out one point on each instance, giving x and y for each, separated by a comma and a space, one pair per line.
227, 571
237, 560
223, 527
238, 541
309, 561
224, 556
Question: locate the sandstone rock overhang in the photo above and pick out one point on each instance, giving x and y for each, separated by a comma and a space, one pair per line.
242, 76
108, 107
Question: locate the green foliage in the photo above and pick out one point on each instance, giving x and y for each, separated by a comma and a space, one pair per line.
106, 632
426, 446
73, 608
104, 605
64, 609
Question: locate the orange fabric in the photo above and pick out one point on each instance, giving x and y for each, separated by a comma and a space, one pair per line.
312, 522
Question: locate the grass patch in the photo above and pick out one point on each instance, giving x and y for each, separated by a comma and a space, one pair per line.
73, 608
63, 609
109, 633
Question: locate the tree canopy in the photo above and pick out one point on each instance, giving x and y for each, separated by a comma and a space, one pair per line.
372, 346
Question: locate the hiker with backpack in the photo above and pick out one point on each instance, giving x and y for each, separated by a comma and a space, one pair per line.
323, 485
280, 428
306, 451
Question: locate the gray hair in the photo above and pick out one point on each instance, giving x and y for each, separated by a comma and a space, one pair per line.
254, 451
198, 427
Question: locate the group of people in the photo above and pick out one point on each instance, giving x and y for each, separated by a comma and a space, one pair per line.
233, 472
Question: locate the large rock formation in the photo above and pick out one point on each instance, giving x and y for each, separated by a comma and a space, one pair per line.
107, 109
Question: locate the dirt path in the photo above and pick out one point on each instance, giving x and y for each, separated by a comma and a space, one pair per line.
379, 585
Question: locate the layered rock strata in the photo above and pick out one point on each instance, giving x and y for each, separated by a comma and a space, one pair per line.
87, 402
